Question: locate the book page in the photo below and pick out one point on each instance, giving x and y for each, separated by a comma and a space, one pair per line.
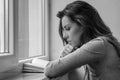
39, 62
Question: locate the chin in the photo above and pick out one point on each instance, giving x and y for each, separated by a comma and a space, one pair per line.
75, 44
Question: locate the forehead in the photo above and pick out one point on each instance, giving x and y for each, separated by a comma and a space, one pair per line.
66, 20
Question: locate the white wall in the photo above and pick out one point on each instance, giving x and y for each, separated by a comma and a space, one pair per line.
108, 9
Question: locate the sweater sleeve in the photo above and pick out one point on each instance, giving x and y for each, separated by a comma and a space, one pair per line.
92, 51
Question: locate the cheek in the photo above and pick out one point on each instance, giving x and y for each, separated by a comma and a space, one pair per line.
75, 35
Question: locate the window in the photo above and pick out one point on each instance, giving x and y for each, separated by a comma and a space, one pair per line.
31, 28
6, 19
35, 27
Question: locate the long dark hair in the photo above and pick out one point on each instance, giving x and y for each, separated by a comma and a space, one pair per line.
87, 16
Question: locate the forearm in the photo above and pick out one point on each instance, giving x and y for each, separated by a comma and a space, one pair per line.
56, 68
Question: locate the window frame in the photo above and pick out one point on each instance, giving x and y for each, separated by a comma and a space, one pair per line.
13, 39
10, 61
46, 30
8, 23
45, 35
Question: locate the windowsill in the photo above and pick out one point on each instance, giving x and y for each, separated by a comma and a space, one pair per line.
11, 72
27, 76
5, 54
17, 70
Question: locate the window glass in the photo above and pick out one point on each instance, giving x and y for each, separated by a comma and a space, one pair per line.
31, 28
4, 28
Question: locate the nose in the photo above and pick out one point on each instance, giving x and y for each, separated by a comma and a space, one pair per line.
65, 35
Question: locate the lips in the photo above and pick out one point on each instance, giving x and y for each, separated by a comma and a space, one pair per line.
69, 42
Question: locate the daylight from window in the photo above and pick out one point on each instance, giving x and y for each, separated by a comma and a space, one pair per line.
31, 29
4, 38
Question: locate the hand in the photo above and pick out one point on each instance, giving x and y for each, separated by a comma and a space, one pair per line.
67, 50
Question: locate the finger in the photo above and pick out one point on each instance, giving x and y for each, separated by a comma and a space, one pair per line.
68, 48
65, 51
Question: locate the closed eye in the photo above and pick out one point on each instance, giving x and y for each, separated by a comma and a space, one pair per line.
67, 28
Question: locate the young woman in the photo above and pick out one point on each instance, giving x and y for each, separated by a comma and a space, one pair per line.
88, 42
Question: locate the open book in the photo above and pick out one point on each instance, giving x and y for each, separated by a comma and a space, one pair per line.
36, 65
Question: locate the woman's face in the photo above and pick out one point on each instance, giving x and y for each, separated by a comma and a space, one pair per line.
71, 31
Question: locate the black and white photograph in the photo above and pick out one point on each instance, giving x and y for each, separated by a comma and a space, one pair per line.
59, 40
